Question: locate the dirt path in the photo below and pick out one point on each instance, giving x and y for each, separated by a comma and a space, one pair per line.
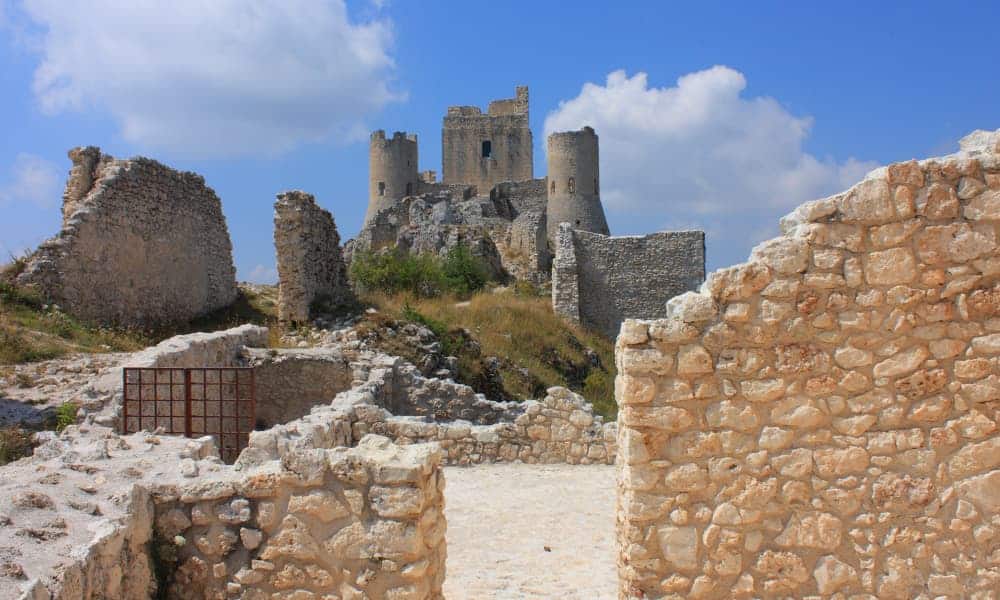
501, 518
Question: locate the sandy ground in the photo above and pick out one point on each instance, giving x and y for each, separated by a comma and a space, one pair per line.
501, 518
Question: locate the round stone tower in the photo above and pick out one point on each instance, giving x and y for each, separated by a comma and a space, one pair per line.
392, 170
574, 183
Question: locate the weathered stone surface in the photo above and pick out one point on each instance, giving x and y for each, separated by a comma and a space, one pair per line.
605, 280
311, 270
849, 447
141, 245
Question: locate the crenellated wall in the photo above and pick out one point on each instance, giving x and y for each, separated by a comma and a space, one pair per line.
821, 421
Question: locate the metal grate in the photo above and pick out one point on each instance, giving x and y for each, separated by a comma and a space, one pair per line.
216, 401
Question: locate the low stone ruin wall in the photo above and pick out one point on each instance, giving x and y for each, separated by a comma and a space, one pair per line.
216, 349
141, 244
363, 522
561, 428
599, 281
291, 382
822, 421
98, 515
311, 268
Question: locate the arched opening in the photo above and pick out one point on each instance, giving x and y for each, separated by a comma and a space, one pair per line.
487, 149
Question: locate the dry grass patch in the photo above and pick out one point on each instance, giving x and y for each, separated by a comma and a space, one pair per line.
536, 349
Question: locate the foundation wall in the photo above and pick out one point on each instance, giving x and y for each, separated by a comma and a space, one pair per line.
821, 422
346, 523
291, 382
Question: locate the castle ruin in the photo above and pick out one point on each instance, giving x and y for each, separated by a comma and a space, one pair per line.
490, 201
141, 245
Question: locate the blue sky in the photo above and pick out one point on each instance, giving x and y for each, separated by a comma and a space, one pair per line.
714, 115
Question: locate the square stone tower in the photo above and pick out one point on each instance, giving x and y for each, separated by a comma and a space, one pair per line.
487, 149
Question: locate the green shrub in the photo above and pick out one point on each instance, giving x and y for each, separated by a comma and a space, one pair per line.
13, 296
65, 415
423, 275
464, 272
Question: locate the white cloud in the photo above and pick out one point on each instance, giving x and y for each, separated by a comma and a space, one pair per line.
263, 274
31, 179
700, 152
219, 78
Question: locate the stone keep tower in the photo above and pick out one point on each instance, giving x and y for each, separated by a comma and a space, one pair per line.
484, 150
392, 170
574, 183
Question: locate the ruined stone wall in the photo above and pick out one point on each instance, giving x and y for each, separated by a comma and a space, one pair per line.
822, 420
141, 245
389, 397
98, 515
522, 196
600, 281
292, 381
310, 265
363, 522
505, 127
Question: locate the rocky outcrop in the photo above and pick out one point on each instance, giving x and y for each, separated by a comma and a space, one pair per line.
506, 229
821, 421
141, 245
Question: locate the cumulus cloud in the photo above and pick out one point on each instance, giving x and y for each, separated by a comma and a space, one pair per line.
263, 274
32, 180
219, 78
700, 153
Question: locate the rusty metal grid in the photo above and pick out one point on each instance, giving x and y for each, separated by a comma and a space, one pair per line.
216, 401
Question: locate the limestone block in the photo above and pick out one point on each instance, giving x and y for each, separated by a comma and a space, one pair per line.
679, 546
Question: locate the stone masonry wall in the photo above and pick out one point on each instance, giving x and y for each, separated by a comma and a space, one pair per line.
389, 397
505, 126
97, 515
141, 244
363, 522
291, 381
310, 265
600, 281
821, 422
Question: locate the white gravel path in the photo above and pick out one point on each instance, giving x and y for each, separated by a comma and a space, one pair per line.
501, 518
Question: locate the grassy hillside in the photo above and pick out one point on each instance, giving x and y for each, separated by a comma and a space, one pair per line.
514, 333
31, 330
536, 349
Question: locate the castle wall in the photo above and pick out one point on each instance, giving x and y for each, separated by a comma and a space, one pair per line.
392, 170
310, 265
574, 182
822, 421
141, 245
504, 126
599, 281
